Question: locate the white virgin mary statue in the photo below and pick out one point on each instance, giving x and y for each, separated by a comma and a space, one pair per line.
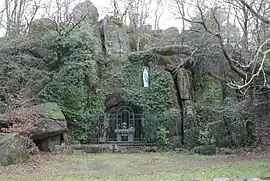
145, 77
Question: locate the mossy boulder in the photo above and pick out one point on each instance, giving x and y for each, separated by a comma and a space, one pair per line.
13, 149
51, 126
49, 111
52, 121
153, 38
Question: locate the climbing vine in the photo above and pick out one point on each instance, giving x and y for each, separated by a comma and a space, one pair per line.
154, 100
74, 86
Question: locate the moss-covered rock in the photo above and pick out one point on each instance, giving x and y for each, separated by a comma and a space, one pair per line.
42, 25
49, 111
153, 38
13, 149
189, 114
52, 122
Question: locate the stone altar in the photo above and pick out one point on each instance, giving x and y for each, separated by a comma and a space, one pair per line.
123, 133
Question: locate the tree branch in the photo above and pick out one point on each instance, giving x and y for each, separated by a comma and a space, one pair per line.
254, 12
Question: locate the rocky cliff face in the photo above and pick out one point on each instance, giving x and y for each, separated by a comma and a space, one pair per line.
169, 65
86, 12
112, 75
114, 37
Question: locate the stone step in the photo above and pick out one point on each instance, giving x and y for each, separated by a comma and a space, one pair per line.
110, 148
136, 143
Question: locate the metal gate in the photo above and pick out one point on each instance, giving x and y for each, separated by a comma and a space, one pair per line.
114, 120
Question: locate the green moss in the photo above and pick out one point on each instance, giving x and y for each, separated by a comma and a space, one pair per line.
167, 59
49, 111
208, 81
115, 20
145, 41
118, 60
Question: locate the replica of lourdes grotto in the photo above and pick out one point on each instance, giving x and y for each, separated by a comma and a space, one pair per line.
80, 83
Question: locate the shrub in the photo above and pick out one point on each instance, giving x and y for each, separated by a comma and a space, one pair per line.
211, 96
205, 149
159, 101
205, 138
162, 137
20, 117
74, 85
191, 137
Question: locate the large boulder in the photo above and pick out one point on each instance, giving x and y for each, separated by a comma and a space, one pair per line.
171, 34
51, 126
114, 34
41, 25
13, 149
154, 38
86, 12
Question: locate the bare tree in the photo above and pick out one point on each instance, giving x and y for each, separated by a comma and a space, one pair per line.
18, 15
158, 14
1, 17
250, 67
254, 12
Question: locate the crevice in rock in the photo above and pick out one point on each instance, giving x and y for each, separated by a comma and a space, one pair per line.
181, 105
102, 37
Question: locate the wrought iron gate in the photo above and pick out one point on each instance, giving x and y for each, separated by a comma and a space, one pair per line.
116, 119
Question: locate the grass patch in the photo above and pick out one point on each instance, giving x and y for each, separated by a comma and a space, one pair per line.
154, 166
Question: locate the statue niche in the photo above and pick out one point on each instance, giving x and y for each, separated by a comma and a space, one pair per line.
125, 123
